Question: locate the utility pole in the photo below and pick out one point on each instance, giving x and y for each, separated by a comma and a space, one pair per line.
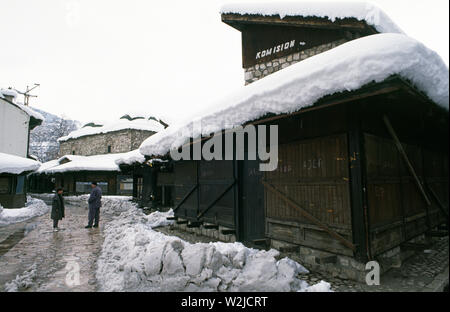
26, 94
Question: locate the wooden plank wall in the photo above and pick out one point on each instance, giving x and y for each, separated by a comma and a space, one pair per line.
397, 210
314, 173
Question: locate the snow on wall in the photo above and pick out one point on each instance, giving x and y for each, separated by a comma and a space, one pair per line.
347, 67
362, 11
16, 165
122, 124
134, 257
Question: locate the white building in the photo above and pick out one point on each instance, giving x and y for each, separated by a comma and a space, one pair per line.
16, 122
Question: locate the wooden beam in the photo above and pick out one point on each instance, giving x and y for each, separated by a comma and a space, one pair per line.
357, 185
185, 198
210, 226
405, 158
308, 216
440, 204
228, 232
216, 200
235, 20
194, 224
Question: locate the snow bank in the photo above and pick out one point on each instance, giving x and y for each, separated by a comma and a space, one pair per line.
111, 204
23, 281
122, 124
16, 165
33, 208
362, 11
347, 67
136, 258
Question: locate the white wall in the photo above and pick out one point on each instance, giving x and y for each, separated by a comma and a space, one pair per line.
13, 129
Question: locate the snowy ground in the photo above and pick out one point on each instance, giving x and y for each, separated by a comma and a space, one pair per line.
127, 254
135, 257
33, 208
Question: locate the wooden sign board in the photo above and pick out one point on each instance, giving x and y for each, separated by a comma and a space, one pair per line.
263, 43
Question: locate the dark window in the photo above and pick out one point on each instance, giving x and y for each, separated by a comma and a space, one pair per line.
5, 185
109, 148
73, 152
140, 186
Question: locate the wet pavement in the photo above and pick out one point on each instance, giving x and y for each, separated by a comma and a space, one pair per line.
56, 258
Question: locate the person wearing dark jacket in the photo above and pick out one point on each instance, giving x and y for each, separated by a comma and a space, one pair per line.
95, 202
57, 209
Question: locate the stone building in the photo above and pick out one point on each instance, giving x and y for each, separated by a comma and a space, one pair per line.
88, 154
121, 136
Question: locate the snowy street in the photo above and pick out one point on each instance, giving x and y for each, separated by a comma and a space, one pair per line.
51, 255
126, 254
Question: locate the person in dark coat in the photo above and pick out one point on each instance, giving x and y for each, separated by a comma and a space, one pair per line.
95, 202
57, 208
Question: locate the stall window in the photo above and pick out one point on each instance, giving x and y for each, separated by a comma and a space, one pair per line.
139, 187
20, 184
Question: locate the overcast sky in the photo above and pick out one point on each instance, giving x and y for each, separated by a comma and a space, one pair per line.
99, 59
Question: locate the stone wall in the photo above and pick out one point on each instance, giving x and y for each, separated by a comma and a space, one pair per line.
120, 141
259, 71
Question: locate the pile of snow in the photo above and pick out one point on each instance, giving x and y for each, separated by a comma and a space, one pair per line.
111, 204
134, 257
362, 11
33, 208
22, 282
347, 67
16, 165
122, 124
26, 109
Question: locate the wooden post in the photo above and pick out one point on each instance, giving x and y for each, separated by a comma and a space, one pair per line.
405, 158
185, 197
358, 195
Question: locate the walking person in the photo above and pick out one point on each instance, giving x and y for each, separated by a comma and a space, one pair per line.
57, 209
95, 202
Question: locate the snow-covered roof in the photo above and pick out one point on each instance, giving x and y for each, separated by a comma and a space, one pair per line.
47, 165
26, 109
105, 162
16, 165
122, 124
130, 158
347, 67
362, 11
